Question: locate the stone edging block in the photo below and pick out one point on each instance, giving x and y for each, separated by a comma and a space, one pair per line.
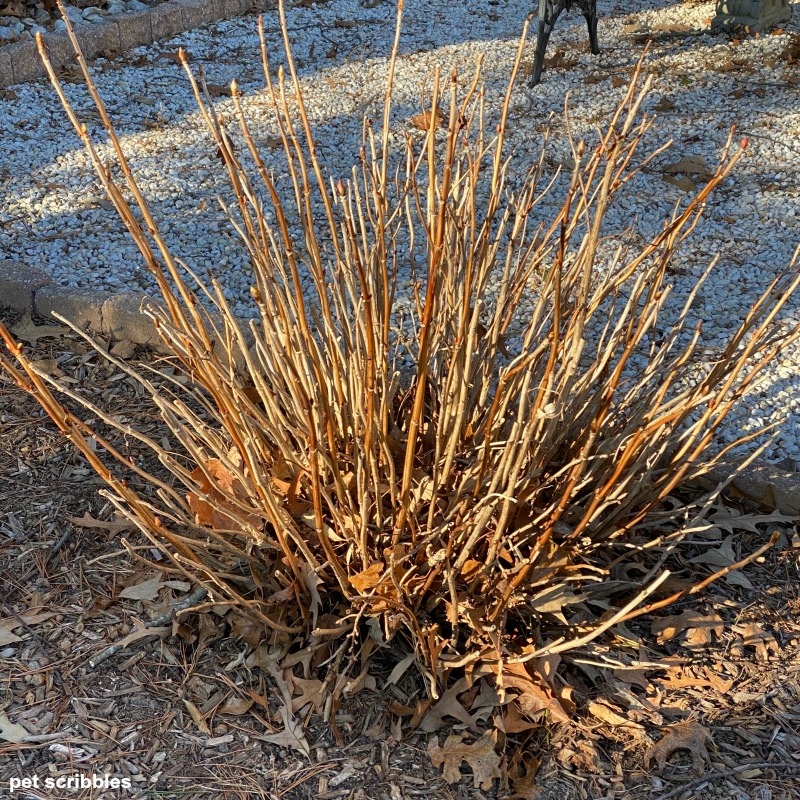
18, 285
123, 317
120, 316
19, 62
84, 308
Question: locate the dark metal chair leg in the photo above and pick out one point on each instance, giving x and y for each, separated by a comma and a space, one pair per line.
549, 11
591, 22
542, 37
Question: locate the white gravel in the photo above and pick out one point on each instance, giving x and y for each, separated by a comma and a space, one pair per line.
53, 215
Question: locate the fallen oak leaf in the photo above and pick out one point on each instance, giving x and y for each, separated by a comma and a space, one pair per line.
312, 692
291, 736
110, 525
148, 590
731, 520
142, 632
480, 756
724, 556
691, 736
14, 8
791, 52
48, 365
717, 682
522, 771
632, 676
511, 720
638, 709
6, 632
29, 332
695, 628
447, 705
755, 636
605, 713
27, 618
534, 697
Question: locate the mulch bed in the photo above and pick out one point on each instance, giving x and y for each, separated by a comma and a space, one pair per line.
182, 714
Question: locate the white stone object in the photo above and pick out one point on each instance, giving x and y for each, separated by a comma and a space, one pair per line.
756, 15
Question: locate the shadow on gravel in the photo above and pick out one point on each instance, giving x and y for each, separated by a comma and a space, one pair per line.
181, 176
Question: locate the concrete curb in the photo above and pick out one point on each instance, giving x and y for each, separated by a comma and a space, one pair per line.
20, 62
120, 317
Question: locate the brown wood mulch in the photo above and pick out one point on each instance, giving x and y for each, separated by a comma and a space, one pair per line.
178, 713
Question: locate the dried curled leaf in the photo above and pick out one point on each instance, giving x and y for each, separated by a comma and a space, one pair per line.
535, 695
211, 505
480, 756
422, 121
367, 579
609, 715
447, 706
522, 770
691, 736
763, 641
696, 628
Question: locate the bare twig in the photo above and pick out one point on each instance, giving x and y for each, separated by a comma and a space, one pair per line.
162, 619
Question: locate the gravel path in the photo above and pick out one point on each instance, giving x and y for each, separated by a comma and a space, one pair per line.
53, 215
